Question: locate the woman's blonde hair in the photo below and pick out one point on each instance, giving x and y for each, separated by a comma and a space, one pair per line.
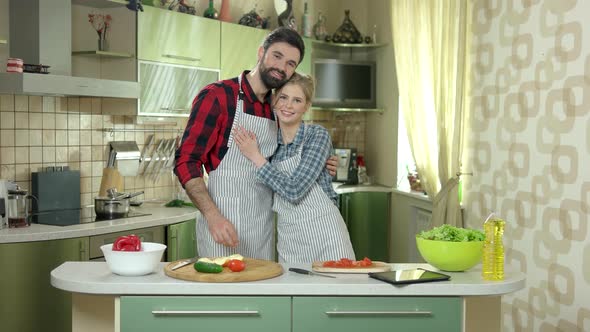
305, 82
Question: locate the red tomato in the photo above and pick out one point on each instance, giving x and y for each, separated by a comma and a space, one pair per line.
365, 262
236, 265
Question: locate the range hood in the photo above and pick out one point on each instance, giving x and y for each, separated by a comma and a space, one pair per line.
42, 34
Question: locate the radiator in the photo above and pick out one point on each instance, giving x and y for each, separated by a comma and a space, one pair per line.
420, 221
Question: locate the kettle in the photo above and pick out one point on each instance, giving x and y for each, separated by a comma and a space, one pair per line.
4, 186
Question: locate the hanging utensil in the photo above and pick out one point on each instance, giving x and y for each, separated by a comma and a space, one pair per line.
144, 152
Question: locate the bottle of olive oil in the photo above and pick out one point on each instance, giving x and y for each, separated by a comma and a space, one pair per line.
211, 12
493, 249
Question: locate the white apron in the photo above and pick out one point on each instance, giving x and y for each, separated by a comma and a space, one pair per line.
313, 229
245, 202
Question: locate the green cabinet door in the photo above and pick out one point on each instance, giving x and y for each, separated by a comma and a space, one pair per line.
207, 313
305, 65
28, 302
181, 240
404, 314
173, 37
366, 215
239, 48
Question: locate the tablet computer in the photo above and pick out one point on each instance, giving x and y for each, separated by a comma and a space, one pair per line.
410, 276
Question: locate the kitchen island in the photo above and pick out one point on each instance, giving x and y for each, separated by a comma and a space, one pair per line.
103, 301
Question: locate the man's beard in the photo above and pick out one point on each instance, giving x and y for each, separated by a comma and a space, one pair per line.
270, 81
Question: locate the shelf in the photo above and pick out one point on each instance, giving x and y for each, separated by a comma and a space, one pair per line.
360, 45
342, 109
100, 3
104, 54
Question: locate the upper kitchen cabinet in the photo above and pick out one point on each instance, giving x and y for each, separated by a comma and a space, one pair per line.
172, 37
239, 49
103, 53
46, 32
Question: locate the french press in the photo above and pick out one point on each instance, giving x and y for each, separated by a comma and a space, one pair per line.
18, 208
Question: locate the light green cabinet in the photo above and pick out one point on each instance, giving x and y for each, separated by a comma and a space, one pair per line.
239, 49
175, 313
181, 240
28, 302
172, 37
404, 314
366, 215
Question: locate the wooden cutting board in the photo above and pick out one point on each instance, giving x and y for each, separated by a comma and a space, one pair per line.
256, 269
376, 267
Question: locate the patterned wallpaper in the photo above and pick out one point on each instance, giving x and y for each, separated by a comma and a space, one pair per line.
529, 148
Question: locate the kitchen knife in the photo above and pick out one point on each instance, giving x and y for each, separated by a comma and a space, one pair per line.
304, 271
184, 263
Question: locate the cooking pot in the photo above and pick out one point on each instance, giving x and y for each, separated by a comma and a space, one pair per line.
114, 206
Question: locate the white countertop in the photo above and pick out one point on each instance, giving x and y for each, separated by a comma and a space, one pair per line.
341, 188
96, 278
159, 215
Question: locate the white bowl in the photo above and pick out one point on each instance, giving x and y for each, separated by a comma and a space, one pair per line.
134, 263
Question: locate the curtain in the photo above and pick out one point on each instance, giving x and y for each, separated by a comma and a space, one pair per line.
431, 43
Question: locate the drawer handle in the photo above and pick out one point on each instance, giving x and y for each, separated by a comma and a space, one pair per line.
205, 313
174, 109
378, 313
180, 57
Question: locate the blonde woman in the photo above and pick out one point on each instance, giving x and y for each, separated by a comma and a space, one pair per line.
310, 227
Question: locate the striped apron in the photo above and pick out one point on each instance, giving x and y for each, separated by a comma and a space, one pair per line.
313, 229
239, 196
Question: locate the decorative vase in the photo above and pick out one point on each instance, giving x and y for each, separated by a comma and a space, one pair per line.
225, 12
102, 44
347, 32
286, 19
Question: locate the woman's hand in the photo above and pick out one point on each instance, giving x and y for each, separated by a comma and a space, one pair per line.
246, 142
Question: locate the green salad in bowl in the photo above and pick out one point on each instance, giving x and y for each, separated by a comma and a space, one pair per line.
450, 248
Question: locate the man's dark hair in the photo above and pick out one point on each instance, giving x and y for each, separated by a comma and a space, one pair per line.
285, 35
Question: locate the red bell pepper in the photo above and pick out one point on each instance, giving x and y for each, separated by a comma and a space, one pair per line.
127, 243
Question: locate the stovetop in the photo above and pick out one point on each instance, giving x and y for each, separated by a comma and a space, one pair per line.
131, 214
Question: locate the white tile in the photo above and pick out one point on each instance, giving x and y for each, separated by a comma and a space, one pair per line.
73, 105
35, 104
21, 137
7, 172
85, 153
96, 105
61, 121
35, 120
22, 155
35, 155
85, 121
22, 174
61, 154
86, 105
85, 168
85, 137
85, 185
7, 103
48, 137
96, 184
7, 138
48, 121
61, 105
97, 167
7, 120
73, 121
48, 104
97, 138
21, 103
35, 137
7, 155
74, 154
61, 138
97, 152
73, 137
21, 120
97, 121
48, 154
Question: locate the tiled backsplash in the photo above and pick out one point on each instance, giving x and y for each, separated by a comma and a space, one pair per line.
37, 132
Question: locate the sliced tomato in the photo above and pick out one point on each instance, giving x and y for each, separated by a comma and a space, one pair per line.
365, 262
329, 264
